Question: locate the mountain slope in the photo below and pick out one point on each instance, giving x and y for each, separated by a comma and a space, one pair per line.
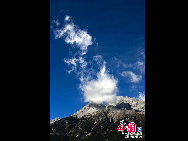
99, 122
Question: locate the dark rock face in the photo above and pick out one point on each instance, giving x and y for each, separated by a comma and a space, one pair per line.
98, 122
122, 105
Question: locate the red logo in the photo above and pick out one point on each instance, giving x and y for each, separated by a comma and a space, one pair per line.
131, 127
131, 130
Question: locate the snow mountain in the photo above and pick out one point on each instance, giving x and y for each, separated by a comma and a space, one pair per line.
124, 104
99, 121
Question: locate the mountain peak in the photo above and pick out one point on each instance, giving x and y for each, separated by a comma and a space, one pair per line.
54, 120
122, 103
89, 109
98, 120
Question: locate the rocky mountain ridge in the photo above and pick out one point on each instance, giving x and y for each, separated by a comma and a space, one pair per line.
98, 121
124, 104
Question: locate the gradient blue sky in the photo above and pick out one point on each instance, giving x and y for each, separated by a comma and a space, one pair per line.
119, 29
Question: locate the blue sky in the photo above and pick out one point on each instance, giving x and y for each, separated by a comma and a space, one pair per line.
117, 29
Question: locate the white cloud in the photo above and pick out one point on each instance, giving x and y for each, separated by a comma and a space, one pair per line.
77, 65
56, 22
141, 96
140, 64
98, 59
78, 38
132, 76
67, 18
137, 69
72, 63
73, 35
97, 85
82, 62
100, 90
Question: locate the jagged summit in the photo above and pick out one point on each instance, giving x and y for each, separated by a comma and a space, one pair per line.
54, 120
122, 103
99, 121
89, 110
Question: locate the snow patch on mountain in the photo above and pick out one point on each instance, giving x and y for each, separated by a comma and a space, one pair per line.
123, 104
54, 120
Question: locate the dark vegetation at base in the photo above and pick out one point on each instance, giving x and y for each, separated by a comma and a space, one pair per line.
94, 128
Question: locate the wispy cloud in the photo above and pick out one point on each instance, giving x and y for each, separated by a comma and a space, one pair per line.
96, 83
56, 22
72, 63
131, 76
67, 18
134, 72
141, 96
140, 63
98, 59
78, 38
73, 35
